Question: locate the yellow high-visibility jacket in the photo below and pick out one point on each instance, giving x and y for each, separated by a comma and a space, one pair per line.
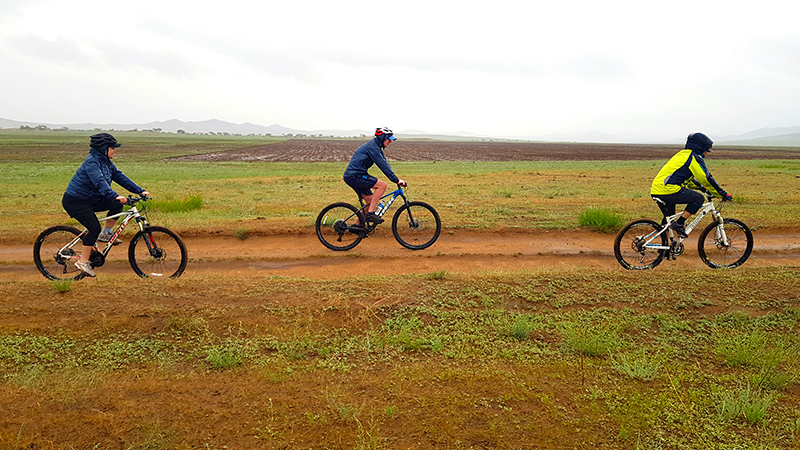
685, 169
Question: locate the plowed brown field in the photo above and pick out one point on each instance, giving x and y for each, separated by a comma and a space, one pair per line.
305, 150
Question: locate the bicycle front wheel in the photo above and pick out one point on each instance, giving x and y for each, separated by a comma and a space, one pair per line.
630, 249
339, 227
416, 225
718, 254
54, 256
157, 252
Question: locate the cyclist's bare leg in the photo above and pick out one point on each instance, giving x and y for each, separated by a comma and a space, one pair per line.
379, 189
87, 251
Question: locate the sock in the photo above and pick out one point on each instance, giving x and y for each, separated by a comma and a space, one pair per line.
106, 230
681, 220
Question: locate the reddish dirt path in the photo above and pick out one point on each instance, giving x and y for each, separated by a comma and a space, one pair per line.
458, 251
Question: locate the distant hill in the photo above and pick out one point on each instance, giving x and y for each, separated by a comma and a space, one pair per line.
769, 137
170, 126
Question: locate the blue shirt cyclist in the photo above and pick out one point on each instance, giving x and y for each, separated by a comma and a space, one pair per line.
356, 175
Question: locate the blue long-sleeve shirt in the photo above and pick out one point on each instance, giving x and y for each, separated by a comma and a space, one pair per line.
92, 180
365, 156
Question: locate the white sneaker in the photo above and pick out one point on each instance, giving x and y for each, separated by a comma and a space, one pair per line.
107, 237
86, 268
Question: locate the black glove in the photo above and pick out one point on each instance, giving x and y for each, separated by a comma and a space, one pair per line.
727, 198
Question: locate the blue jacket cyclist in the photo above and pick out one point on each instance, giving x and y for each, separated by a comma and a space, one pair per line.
357, 177
683, 172
89, 191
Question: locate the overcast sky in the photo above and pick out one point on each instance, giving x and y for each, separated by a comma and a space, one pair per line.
495, 68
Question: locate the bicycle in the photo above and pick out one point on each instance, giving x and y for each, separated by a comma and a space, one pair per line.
724, 244
153, 251
415, 225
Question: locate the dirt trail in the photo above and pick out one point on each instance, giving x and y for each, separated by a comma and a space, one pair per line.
457, 251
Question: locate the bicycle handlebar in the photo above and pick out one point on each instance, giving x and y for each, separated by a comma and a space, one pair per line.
134, 199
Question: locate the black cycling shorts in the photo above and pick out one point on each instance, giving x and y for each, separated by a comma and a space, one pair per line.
362, 185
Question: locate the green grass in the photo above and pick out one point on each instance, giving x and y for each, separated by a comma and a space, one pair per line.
62, 285
744, 403
515, 195
600, 219
174, 205
294, 193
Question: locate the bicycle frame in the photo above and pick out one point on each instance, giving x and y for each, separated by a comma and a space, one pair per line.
708, 207
382, 210
132, 213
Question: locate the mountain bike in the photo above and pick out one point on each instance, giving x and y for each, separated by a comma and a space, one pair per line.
416, 225
153, 251
723, 244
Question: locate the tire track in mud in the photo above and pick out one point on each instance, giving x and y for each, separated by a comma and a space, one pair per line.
457, 251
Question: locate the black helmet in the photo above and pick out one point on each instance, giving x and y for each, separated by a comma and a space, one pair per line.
699, 142
102, 141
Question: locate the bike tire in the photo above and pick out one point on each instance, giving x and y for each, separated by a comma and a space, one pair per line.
627, 247
416, 225
334, 226
170, 258
47, 259
717, 256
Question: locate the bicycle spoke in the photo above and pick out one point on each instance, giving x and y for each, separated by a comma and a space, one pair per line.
416, 225
157, 252
338, 227
630, 246
725, 250
53, 258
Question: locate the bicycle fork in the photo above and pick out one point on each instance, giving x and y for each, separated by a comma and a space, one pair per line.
720, 237
155, 251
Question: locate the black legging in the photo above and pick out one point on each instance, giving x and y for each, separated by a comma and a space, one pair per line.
693, 199
84, 212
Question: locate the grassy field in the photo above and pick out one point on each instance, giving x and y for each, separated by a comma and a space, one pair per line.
520, 195
551, 358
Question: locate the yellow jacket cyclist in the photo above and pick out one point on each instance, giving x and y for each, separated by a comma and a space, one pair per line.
687, 169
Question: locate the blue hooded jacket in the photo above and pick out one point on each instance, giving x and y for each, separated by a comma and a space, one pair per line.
92, 180
365, 156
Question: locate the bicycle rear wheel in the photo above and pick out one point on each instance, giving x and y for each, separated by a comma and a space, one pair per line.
338, 226
157, 252
53, 262
629, 245
416, 225
716, 254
